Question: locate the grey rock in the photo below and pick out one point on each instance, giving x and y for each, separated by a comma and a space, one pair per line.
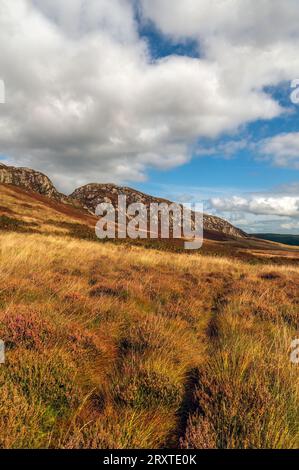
88, 197
93, 194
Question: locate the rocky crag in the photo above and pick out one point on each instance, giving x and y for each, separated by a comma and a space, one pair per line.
89, 196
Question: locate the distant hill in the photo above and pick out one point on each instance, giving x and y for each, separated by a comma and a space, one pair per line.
286, 239
89, 196
111, 345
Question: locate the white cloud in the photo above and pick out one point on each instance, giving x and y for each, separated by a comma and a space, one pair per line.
290, 226
238, 21
80, 17
284, 206
253, 45
84, 97
226, 149
282, 150
256, 214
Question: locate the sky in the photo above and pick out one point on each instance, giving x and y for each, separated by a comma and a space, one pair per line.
192, 100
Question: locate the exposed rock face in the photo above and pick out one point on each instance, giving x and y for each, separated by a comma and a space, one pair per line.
31, 180
93, 194
214, 223
88, 197
34, 181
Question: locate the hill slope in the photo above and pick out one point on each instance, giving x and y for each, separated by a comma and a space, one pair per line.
114, 345
287, 239
110, 347
89, 196
93, 194
30, 212
29, 179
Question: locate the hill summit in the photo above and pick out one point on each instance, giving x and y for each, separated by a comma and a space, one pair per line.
89, 196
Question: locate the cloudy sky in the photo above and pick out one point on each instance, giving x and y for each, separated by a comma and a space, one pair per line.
190, 100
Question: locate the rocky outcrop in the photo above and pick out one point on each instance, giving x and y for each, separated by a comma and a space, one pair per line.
34, 181
93, 194
31, 180
89, 196
216, 224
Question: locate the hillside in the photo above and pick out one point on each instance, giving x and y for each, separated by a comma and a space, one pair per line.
287, 239
121, 346
33, 213
89, 196
29, 179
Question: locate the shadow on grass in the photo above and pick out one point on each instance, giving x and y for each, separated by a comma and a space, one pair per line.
9, 224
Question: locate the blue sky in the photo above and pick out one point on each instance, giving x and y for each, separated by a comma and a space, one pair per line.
241, 172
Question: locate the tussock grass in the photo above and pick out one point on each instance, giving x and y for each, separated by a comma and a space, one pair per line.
115, 346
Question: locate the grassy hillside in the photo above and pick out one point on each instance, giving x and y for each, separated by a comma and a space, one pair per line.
292, 240
118, 346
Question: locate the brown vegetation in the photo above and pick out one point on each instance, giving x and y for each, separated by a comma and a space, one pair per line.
117, 346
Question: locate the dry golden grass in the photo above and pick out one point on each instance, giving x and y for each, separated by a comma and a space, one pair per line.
110, 346
116, 346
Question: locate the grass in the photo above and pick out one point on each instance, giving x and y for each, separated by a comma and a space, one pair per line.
11, 224
113, 369
122, 346
287, 239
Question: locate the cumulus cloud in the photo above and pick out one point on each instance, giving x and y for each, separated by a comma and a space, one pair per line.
285, 206
282, 150
78, 17
259, 213
85, 99
253, 46
193, 18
